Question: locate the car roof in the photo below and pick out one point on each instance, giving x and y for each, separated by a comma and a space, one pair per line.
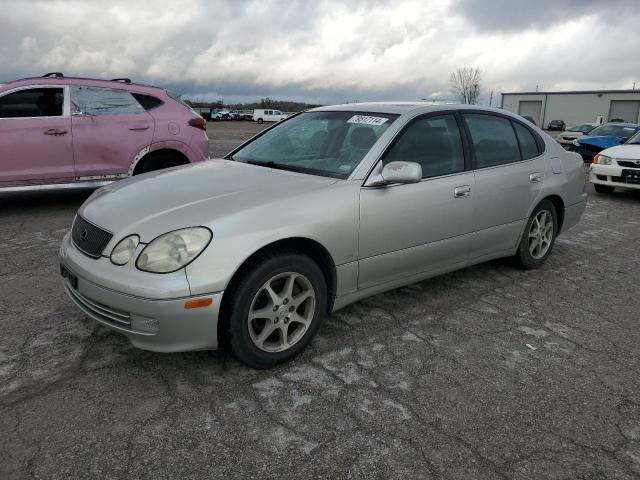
400, 108
94, 82
621, 124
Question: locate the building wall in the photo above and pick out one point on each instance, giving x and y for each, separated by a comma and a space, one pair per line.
573, 108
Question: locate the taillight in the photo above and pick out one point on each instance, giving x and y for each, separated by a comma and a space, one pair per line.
200, 123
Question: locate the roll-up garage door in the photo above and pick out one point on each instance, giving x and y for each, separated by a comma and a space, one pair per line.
531, 109
627, 110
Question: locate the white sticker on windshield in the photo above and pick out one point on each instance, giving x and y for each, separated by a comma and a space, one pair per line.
367, 120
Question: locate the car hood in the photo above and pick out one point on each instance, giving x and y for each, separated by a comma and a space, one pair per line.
191, 195
600, 141
568, 134
626, 151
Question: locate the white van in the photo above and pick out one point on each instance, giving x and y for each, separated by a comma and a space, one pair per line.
262, 115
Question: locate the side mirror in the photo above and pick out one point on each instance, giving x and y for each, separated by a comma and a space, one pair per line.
395, 172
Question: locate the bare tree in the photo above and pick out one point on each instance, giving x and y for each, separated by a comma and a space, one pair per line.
465, 83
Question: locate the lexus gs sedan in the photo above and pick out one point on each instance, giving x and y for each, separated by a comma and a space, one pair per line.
252, 251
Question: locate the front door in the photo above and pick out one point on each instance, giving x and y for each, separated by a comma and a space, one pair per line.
421, 229
109, 128
35, 135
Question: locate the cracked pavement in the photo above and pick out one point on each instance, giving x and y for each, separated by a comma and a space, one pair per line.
486, 373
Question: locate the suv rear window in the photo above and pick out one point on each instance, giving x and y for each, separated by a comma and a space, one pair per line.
148, 102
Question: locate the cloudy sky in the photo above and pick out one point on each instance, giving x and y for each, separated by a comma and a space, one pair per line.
326, 51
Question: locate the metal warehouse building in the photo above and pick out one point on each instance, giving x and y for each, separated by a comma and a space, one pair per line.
575, 107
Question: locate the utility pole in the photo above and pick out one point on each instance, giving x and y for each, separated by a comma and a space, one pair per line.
491, 98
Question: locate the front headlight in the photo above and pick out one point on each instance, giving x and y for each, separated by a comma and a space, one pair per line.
174, 250
576, 142
124, 250
602, 160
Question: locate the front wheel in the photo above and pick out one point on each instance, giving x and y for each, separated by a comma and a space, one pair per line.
539, 236
276, 309
603, 188
260, 120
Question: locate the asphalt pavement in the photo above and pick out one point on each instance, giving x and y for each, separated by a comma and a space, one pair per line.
487, 373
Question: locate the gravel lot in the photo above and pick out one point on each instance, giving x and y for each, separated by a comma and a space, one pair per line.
490, 372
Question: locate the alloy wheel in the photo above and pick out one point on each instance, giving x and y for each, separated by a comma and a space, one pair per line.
281, 312
540, 234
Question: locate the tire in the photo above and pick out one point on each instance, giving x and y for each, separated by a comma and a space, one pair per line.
533, 254
158, 162
603, 188
260, 120
257, 340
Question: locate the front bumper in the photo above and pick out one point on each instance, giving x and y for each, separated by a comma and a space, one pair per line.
610, 175
157, 324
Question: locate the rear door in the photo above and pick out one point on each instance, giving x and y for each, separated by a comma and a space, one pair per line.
109, 128
35, 135
509, 172
422, 228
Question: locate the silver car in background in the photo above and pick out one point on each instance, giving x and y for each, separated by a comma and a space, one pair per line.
327, 207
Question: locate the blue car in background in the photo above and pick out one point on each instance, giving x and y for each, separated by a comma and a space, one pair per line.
605, 136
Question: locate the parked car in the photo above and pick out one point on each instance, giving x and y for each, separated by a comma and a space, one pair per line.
262, 115
236, 114
567, 137
247, 115
330, 206
556, 125
617, 167
220, 114
604, 136
57, 130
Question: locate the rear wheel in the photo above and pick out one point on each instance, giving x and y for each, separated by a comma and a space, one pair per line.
159, 161
539, 236
603, 188
276, 309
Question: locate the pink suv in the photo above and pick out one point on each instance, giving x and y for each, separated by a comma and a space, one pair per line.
57, 130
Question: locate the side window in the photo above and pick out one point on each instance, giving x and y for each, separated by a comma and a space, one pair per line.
33, 102
105, 101
494, 140
433, 142
148, 102
528, 145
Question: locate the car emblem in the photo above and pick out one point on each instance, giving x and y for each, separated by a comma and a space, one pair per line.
84, 234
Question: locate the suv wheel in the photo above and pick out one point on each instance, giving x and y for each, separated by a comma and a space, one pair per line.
158, 162
276, 309
539, 236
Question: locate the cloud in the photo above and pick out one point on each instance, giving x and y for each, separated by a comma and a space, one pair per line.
324, 51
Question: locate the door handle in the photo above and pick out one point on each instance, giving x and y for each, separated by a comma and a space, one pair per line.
139, 128
55, 132
535, 177
462, 191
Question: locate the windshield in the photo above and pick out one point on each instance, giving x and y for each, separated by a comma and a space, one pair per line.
583, 128
331, 144
613, 130
635, 140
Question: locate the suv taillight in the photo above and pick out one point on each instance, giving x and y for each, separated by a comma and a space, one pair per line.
200, 123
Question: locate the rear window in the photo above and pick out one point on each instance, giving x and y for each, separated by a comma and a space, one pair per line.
494, 140
104, 101
528, 145
148, 102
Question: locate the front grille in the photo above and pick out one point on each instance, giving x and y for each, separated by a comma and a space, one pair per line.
602, 177
629, 164
95, 309
89, 239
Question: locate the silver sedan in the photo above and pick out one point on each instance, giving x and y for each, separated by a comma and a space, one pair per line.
332, 205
